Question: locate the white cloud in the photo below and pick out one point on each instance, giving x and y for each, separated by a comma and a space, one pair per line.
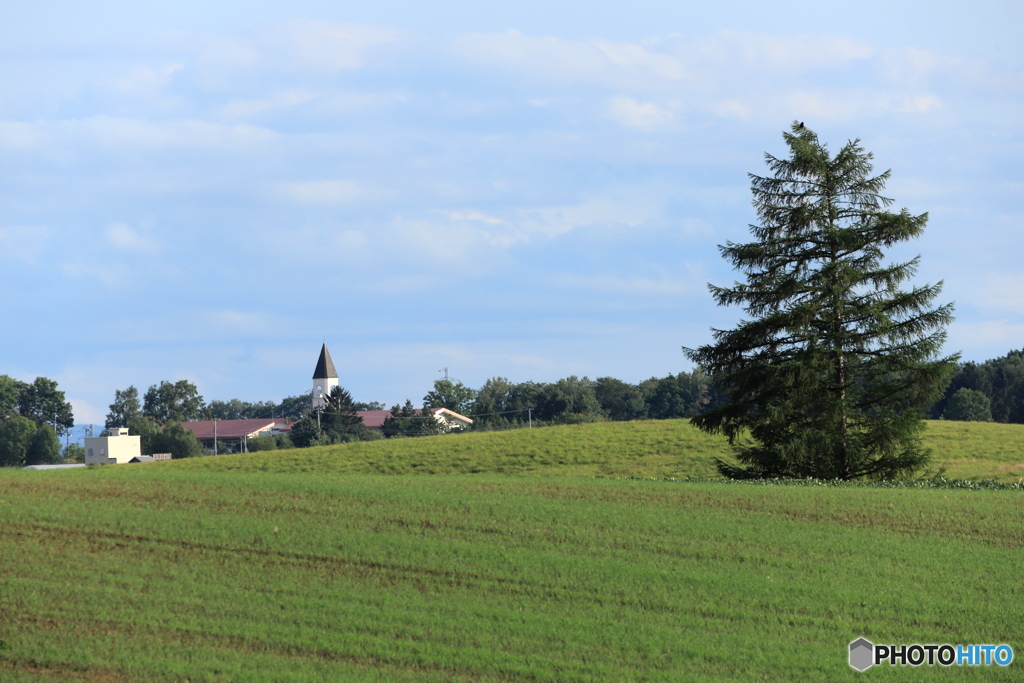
584, 61
736, 52
638, 57
330, 46
443, 247
117, 132
732, 109
324, 103
826, 104
638, 286
85, 412
728, 60
238, 321
328, 192
123, 236
617, 207
219, 58
23, 242
18, 135
103, 271
471, 215
912, 67
917, 104
145, 81
620, 207
288, 99
640, 115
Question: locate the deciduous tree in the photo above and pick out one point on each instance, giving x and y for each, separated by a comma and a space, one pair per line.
451, 395
10, 392
44, 448
43, 403
968, 405
294, 407
15, 437
178, 441
147, 428
173, 402
237, 409
620, 400
125, 408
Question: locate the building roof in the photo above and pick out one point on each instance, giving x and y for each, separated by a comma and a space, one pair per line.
53, 467
234, 429
325, 366
374, 419
451, 415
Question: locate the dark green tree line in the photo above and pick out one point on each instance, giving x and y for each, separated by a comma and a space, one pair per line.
1000, 380
32, 415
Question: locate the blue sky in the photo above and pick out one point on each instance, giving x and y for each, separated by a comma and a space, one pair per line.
532, 190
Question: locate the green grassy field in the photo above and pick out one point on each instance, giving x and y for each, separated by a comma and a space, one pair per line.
653, 448
348, 564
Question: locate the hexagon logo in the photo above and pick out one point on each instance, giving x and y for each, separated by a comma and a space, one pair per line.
861, 654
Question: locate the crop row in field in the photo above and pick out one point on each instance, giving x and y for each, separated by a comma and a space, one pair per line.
154, 574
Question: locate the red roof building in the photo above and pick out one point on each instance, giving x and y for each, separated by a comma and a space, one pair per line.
235, 433
449, 419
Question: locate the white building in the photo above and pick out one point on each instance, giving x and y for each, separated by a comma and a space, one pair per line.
118, 448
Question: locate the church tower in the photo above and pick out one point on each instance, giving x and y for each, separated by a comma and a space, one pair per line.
325, 378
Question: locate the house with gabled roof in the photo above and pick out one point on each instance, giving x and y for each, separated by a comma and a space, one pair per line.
448, 419
236, 433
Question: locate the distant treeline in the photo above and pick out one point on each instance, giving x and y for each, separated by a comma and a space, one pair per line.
501, 404
498, 403
992, 391
988, 391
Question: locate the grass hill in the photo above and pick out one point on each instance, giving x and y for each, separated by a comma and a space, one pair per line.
653, 448
521, 557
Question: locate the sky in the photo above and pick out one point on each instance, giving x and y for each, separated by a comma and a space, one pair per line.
532, 190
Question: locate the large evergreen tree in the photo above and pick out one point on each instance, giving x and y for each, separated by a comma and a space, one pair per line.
830, 375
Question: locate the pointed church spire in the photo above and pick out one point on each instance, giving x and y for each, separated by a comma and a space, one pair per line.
325, 366
325, 378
